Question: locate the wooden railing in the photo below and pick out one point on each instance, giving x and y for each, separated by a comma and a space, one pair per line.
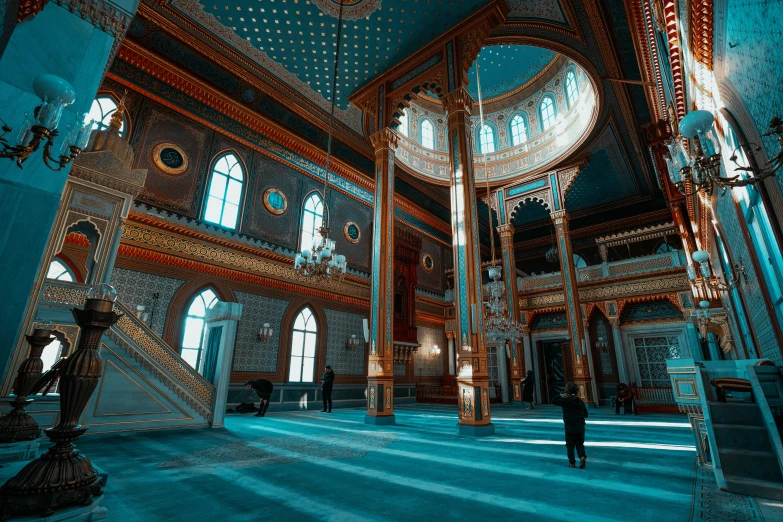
443, 393
654, 398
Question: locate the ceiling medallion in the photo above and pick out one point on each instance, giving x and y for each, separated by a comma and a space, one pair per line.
352, 9
170, 158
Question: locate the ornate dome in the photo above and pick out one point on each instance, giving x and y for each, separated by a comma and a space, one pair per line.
539, 106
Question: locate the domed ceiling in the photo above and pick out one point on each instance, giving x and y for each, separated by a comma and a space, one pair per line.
505, 68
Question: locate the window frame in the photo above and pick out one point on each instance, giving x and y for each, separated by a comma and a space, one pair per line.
67, 271
481, 134
422, 121
208, 193
126, 121
523, 117
405, 122
187, 315
324, 210
311, 320
551, 97
570, 101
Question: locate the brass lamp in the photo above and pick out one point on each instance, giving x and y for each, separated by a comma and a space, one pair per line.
64, 477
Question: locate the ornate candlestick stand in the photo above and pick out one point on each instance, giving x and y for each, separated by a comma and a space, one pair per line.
63, 477
18, 425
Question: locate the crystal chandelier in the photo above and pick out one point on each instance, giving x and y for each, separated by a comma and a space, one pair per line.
702, 167
322, 264
498, 323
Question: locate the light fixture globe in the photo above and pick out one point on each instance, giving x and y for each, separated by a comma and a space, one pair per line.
695, 122
704, 304
103, 292
700, 256
53, 88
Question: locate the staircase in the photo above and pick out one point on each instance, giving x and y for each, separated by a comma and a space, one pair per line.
145, 384
749, 462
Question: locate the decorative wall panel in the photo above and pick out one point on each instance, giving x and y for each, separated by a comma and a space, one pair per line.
138, 288
341, 325
425, 365
250, 355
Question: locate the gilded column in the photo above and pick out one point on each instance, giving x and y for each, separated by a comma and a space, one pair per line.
380, 378
581, 369
517, 368
472, 376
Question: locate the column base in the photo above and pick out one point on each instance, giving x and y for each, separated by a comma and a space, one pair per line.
379, 420
476, 431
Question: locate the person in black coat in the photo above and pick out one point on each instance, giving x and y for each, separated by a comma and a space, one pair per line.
574, 415
327, 381
624, 396
528, 383
264, 390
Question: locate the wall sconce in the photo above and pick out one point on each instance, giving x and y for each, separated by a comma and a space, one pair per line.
601, 344
265, 333
41, 128
434, 351
703, 259
702, 167
142, 314
352, 342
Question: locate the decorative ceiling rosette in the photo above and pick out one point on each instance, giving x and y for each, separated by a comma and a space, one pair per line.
352, 9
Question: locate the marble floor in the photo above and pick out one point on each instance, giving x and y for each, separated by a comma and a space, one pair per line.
314, 466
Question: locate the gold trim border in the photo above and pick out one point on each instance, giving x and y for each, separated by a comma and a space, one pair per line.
165, 168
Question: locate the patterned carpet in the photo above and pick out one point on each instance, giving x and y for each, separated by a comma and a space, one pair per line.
313, 466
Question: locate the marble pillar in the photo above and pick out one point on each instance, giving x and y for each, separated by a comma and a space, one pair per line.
517, 363
224, 316
619, 351
380, 378
472, 376
452, 354
579, 363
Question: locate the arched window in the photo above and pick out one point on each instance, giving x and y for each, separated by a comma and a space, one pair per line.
225, 191
312, 220
486, 140
518, 130
101, 111
303, 345
193, 333
427, 134
403, 128
572, 89
579, 261
546, 112
60, 271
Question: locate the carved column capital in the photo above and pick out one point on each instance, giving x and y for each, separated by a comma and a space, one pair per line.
506, 231
559, 216
614, 322
458, 100
384, 139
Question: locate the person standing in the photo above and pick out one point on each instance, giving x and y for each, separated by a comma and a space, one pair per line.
327, 380
574, 415
528, 383
264, 389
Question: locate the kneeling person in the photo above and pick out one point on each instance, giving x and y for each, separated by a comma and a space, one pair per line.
264, 389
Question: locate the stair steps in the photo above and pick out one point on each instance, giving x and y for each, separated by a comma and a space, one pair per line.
753, 487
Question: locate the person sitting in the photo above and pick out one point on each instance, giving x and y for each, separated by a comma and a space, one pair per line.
625, 397
264, 389
528, 383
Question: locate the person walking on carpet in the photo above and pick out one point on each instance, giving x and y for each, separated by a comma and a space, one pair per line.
527, 389
327, 380
264, 390
574, 415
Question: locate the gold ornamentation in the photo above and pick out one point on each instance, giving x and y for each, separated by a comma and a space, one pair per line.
427, 263
170, 158
275, 201
352, 232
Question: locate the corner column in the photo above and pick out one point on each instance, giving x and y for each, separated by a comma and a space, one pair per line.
380, 378
517, 368
581, 368
472, 375
619, 351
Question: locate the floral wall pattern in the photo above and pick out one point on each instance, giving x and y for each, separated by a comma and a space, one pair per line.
250, 355
138, 288
424, 364
341, 325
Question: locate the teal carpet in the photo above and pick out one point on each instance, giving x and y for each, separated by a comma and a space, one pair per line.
314, 466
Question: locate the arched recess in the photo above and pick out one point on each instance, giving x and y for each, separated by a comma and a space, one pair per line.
603, 353
286, 335
177, 308
87, 229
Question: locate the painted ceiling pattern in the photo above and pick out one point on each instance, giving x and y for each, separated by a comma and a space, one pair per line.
505, 68
546, 10
294, 40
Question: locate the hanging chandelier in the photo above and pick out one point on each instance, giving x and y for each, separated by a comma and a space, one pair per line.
498, 323
321, 263
701, 168
551, 254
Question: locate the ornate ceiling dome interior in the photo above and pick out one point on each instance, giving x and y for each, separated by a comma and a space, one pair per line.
539, 107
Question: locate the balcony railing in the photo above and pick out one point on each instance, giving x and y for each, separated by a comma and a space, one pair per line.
627, 267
